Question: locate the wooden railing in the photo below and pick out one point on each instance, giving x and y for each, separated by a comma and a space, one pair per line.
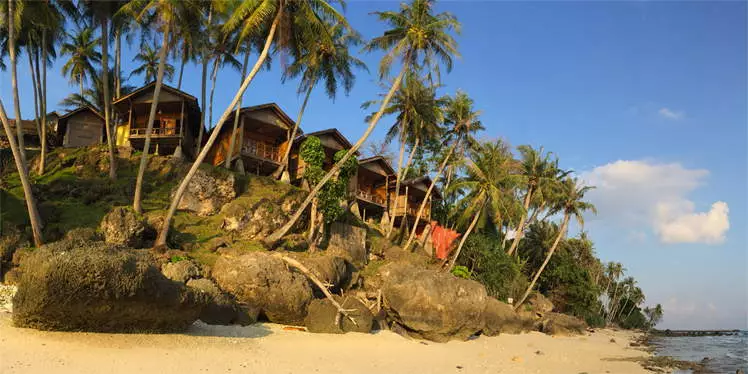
156, 131
368, 196
261, 149
411, 211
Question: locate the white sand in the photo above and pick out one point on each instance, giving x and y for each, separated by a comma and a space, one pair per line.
267, 348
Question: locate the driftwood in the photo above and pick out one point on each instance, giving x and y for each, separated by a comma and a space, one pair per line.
304, 270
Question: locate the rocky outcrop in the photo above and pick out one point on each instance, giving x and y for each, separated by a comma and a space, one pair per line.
561, 324
208, 191
75, 286
263, 281
500, 318
123, 226
330, 269
432, 305
181, 271
538, 304
257, 220
323, 316
350, 238
222, 309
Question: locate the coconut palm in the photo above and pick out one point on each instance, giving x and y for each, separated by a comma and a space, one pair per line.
463, 122
629, 283
609, 270
330, 62
252, 18
93, 96
222, 54
637, 297
83, 55
148, 58
618, 271
416, 37
489, 187
538, 170
418, 115
12, 22
570, 202
164, 13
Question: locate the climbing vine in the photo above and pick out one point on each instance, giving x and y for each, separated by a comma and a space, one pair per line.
335, 190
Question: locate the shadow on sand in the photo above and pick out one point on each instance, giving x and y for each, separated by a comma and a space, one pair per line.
257, 330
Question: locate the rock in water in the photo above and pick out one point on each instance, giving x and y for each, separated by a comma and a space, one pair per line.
561, 324
322, 315
222, 309
124, 227
208, 191
433, 305
74, 286
501, 318
181, 271
263, 281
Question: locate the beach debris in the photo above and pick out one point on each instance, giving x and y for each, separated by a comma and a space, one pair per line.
539, 353
293, 328
517, 359
612, 340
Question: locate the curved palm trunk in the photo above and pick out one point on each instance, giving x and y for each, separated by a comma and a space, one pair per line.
181, 71
611, 304
464, 238
14, 85
561, 233
413, 151
607, 288
278, 234
287, 153
34, 217
631, 310
137, 204
35, 85
397, 185
43, 107
105, 84
161, 240
236, 114
202, 115
518, 233
428, 194
213, 78
117, 61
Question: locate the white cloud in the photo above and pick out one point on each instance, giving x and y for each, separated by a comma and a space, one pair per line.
670, 114
656, 194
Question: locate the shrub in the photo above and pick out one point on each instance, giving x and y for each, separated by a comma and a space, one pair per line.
491, 266
461, 272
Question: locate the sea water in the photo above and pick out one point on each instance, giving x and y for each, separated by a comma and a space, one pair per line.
724, 354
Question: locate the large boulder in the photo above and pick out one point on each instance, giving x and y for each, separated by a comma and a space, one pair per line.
254, 220
561, 324
500, 318
222, 308
330, 269
538, 304
350, 238
123, 226
77, 286
431, 304
181, 271
208, 191
263, 281
323, 316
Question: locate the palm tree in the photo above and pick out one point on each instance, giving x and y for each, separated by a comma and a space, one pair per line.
330, 62
148, 58
571, 204
165, 13
488, 184
83, 56
418, 113
251, 17
462, 120
13, 20
637, 297
618, 271
93, 96
223, 56
609, 270
538, 170
629, 283
417, 37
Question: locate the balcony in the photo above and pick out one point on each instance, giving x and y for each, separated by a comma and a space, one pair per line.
261, 150
156, 132
369, 197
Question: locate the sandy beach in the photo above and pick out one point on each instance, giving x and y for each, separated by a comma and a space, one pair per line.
268, 348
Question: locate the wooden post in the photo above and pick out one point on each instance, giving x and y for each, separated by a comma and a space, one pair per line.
181, 125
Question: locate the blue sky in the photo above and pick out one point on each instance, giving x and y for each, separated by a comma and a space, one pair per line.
647, 100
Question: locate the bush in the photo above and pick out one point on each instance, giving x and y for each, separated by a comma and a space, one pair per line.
491, 266
461, 272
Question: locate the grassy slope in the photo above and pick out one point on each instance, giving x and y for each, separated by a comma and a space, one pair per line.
76, 192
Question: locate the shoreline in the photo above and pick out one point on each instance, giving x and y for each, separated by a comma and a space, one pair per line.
269, 348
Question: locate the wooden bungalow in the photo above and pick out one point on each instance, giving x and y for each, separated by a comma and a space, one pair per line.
262, 139
370, 185
404, 207
177, 119
29, 130
332, 141
81, 127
